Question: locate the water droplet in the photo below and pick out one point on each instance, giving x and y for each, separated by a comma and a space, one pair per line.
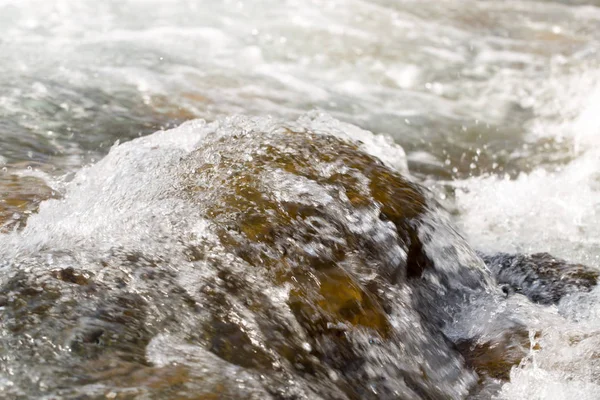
332, 375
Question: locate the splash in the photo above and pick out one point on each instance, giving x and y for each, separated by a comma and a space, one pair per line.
283, 254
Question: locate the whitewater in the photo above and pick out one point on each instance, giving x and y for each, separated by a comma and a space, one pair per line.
492, 106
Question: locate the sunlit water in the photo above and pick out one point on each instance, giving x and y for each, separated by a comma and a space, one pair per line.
495, 104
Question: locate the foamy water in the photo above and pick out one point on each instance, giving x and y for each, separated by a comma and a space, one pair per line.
554, 209
495, 104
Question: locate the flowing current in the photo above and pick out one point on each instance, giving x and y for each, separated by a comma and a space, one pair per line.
491, 105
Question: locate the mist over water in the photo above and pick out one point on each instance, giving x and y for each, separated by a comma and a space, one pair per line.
495, 104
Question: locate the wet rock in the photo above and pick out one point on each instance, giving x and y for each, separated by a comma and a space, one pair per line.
70, 275
544, 279
301, 210
541, 277
298, 267
494, 358
20, 196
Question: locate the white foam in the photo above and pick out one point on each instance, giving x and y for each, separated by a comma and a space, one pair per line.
553, 211
553, 208
567, 107
566, 365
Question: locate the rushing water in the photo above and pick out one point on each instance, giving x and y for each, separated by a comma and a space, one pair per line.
495, 104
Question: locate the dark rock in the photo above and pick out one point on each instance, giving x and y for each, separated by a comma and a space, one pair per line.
541, 277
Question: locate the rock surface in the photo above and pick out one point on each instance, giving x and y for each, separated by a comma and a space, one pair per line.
541, 277
247, 258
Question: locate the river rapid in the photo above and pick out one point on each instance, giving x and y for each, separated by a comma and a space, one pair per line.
492, 106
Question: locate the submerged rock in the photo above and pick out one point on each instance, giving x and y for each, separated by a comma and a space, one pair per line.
341, 231
20, 196
247, 258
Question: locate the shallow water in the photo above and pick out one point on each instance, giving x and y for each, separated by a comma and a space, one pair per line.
495, 104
